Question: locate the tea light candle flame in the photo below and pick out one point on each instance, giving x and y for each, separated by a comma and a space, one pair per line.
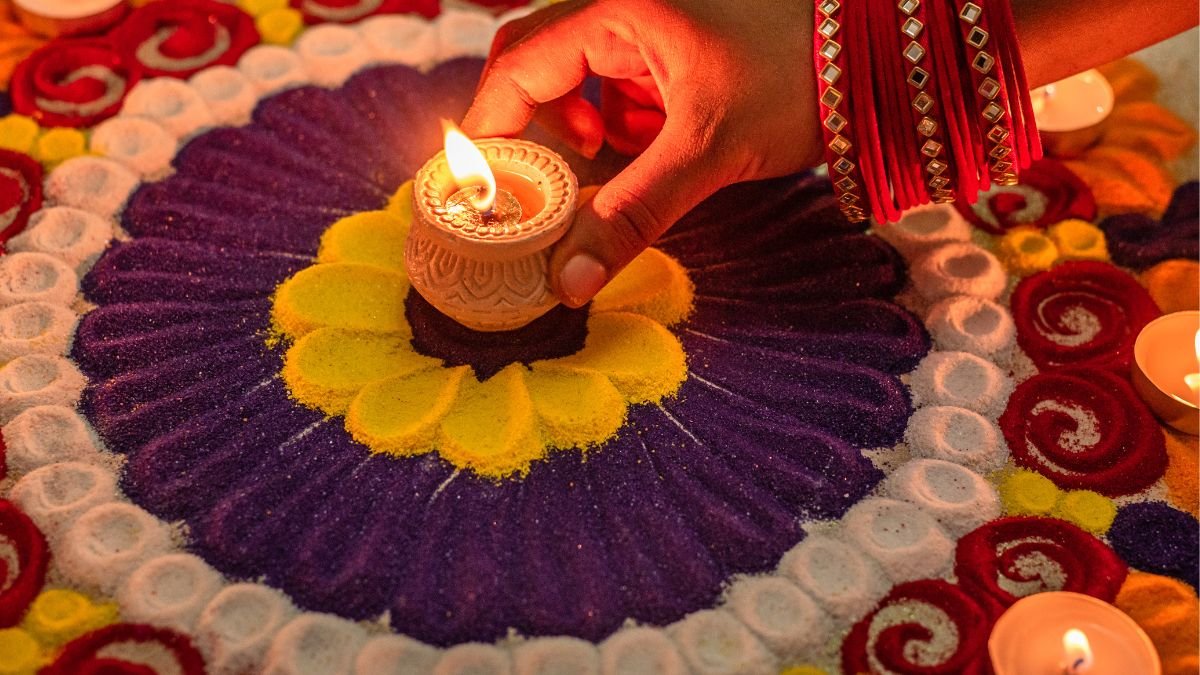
1193, 379
469, 168
1078, 652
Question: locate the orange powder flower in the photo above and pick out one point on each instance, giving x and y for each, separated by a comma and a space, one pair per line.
1126, 167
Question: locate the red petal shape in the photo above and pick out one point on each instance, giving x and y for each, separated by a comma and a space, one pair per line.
23, 584
20, 196
972, 618
1081, 313
1006, 548
73, 82
1085, 429
1066, 196
181, 37
349, 11
82, 655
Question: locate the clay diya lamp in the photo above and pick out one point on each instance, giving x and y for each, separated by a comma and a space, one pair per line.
485, 215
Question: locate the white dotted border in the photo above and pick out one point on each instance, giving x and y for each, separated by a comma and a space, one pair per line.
66, 482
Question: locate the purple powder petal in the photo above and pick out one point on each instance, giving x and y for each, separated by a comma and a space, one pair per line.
1154, 537
120, 338
145, 270
860, 405
871, 333
1138, 241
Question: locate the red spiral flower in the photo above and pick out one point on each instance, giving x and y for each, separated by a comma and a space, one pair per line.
72, 82
906, 633
1084, 429
1048, 193
182, 37
20, 193
1081, 313
1011, 558
82, 656
348, 11
20, 541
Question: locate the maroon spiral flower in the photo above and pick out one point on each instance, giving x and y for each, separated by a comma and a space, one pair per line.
73, 82
20, 192
1081, 313
20, 541
182, 37
1048, 193
1084, 428
1011, 558
86, 655
908, 632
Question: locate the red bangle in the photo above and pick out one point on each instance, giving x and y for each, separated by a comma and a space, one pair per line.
864, 115
832, 93
988, 89
966, 147
924, 112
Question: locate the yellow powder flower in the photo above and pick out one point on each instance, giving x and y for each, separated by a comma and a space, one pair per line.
20, 653
1025, 492
1079, 240
1090, 510
279, 26
18, 132
351, 355
1026, 250
58, 616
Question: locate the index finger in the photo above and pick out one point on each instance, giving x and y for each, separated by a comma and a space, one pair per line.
546, 63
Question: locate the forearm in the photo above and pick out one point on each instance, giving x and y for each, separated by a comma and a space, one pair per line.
1063, 37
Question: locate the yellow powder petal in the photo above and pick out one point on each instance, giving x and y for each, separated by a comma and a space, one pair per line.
59, 144
577, 408
641, 357
492, 428
342, 295
654, 285
1079, 240
58, 616
399, 416
1025, 250
18, 132
257, 8
326, 368
1168, 610
1090, 510
370, 237
400, 204
19, 653
1030, 493
279, 26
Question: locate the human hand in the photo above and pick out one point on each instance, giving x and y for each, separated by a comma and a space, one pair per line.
737, 82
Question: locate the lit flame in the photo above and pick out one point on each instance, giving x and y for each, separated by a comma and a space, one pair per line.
1077, 651
1193, 380
469, 167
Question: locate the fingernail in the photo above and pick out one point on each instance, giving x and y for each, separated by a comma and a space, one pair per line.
582, 278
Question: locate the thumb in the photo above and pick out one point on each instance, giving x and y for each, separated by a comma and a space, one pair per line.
679, 170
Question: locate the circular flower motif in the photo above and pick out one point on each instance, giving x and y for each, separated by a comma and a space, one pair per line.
927, 626
1084, 429
96, 652
23, 560
1154, 537
1139, 241
1011, 558
1048, 193
1081, 313
73, 82
792, 354
20, 192
349, 11
181, 37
